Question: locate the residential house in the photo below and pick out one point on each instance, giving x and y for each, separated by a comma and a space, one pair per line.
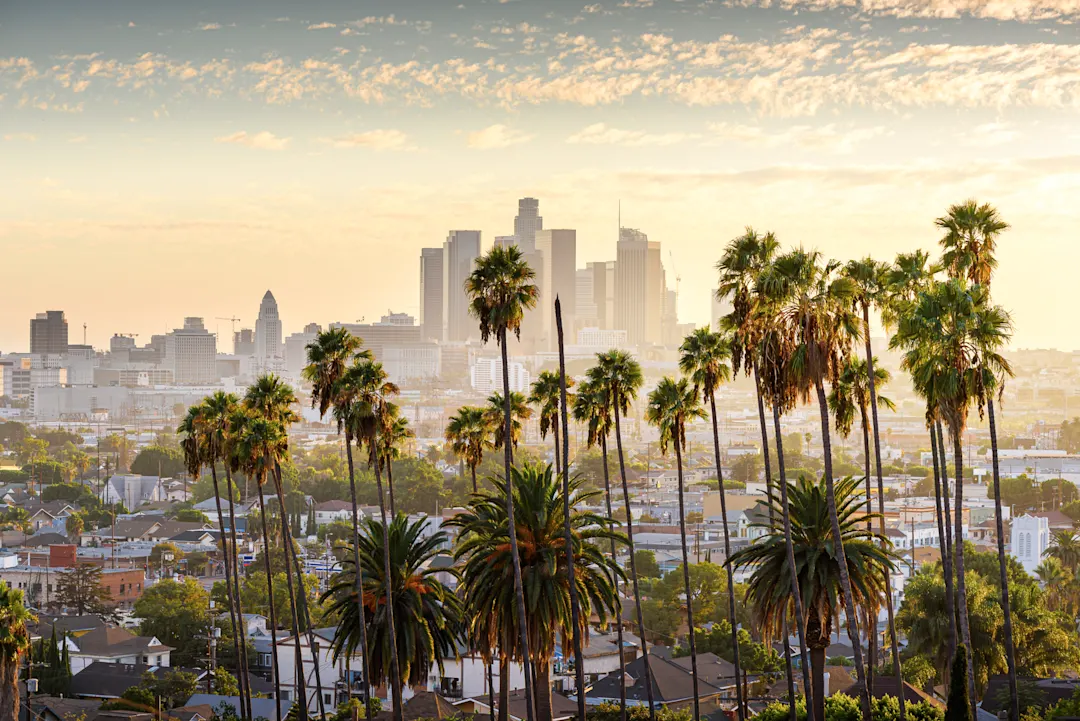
133, 490
110, 680
56, 708
48, 513
329, 511
150, 529
114, 645
673, 683
562, 708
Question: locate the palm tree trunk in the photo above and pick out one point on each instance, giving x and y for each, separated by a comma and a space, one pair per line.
943, 459
872, 383
9, 689
871, 613
286, 546
504, 687
241, 681
800, 615
273, 612
958, 553
395, 670
618, 596
575, 607
491, 692
543, 690
740, 710
686, 576
1010, 651
359, 574
242, 661
851, 613
943, 542
473, 469
390, 485
558, 464
519, 592
633, 564
817, 658
292, 565
787, 662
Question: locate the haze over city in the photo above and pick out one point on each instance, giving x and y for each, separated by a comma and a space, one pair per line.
165, 160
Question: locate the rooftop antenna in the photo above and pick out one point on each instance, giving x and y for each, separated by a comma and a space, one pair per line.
84, 333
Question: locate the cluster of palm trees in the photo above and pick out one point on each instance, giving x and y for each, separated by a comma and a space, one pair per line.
533, 565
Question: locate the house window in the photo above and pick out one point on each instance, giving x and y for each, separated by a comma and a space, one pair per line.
327, 699
122, 585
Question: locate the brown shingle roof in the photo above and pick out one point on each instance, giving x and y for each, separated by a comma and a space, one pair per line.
115, 641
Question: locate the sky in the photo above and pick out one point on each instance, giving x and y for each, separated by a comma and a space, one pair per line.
163, 159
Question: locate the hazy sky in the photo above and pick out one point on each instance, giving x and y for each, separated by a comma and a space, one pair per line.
161, 159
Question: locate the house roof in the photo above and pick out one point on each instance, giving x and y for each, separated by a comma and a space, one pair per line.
115, 641
66, 709
46, 539
885, 685
1056, 519
68, 624
102, 679
191, 713
424, 705
671, 679
259, 706
196, 535
331, 506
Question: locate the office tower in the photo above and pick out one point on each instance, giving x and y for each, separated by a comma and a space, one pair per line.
639, 288
268, 334
720, 308
505, 241
431, 293
49, 333
527, 223
586, 306
244, 342
191, 353
296, 349
603, 292
377, 336
558, 251
460, 251
392, 318
486, 376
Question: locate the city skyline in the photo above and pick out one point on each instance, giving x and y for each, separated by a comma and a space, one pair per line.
177, 145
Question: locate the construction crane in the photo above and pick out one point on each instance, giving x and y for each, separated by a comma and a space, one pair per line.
678, 278
234, 321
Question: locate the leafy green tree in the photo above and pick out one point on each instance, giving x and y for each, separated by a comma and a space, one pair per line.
746, 468
53, 665
1069, 437
178, 614
74, 493
958, 705
708, 587
159, 460
190, 515
662, 621
224, 683
418, 486
647, 566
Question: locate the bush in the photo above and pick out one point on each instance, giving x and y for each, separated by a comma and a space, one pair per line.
840, 707
9, 476
610, 712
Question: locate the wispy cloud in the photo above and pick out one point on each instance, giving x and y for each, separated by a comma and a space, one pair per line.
989, 134
24, 137
497, 136
263, 140
829, 137
602, 134
321, 26
210, 26
374, 139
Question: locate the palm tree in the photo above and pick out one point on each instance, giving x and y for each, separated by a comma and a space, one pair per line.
592, 408
258, 443
740, 267
950, 338
428, 616
14, 642
545, 396
273, 399
519, 413
1057, 580
487, 569
1065, 547
970, 239
329, 356
197, 432
818, 327
672, 405
705, 359
468, 434
818, 562
618, 377
501, 290
373, 392
394, 431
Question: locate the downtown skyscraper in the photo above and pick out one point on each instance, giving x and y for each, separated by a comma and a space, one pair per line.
431, 293
639, 287
460, 251
268, 348
527, 223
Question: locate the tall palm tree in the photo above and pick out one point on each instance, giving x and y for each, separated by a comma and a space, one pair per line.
329, 356
500, 288
969, 242
271, 398
592, 408
618, 377
545, 396
949, 338
394, 432
705, 358
258, 442
818, 327
867, 561
197, 434
373, 393
1065, 547
495, 411
468, 434
672, 405
487, 569
14, 642
428, 617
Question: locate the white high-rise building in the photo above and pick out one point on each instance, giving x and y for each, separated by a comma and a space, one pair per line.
460, 251
296, 349
268, 335
639, 288
191, 353
485, 376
